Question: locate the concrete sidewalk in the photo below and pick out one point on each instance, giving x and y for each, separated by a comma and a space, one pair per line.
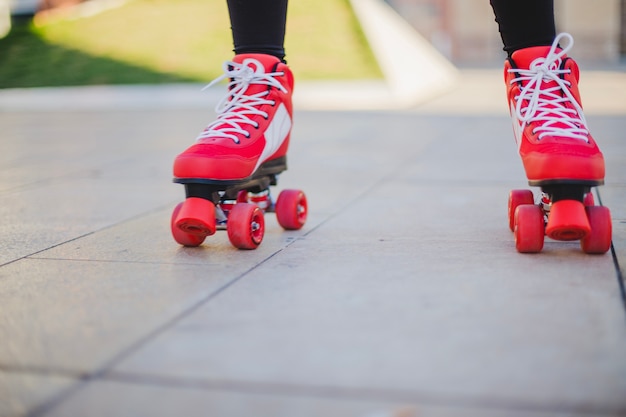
402, 296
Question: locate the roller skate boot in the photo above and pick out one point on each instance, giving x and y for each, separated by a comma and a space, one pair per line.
558, 153
227, 173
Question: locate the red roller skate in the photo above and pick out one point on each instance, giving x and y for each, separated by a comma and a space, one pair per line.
557, 150
227, 173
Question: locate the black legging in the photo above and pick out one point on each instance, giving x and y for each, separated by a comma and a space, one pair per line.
524, 23
258, 26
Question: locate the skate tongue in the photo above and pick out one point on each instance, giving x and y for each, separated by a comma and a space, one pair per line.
541, 60
531, 59
258, 64
249, 85
524, 58
268, 61
545, 91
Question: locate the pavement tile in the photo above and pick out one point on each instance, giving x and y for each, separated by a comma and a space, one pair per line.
609, 133
469, 150
441, 319
40, 147
78, 315
76, 207
62, 179
22, 392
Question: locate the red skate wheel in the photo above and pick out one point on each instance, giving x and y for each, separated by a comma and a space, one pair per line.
242, 196
517, 198
246, 226
197, 217
589, 201
529, 229
184, 238
598, 241
567, 221
291, 209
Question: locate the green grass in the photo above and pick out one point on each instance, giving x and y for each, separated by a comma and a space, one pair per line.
161, 41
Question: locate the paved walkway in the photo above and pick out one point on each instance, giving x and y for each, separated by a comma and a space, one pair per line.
402, 296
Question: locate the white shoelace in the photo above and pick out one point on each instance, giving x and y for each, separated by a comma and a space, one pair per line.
547, 106
235, 109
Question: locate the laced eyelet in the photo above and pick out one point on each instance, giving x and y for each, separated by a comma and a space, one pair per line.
238, 111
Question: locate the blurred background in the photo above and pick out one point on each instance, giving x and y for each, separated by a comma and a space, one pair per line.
466, 33
71, 42
86, 42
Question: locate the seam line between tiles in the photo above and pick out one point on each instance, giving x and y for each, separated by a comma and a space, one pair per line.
113, 261
618, 269
110, 226
620, 276
104, 369
299, 390
357, 394
43, 250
